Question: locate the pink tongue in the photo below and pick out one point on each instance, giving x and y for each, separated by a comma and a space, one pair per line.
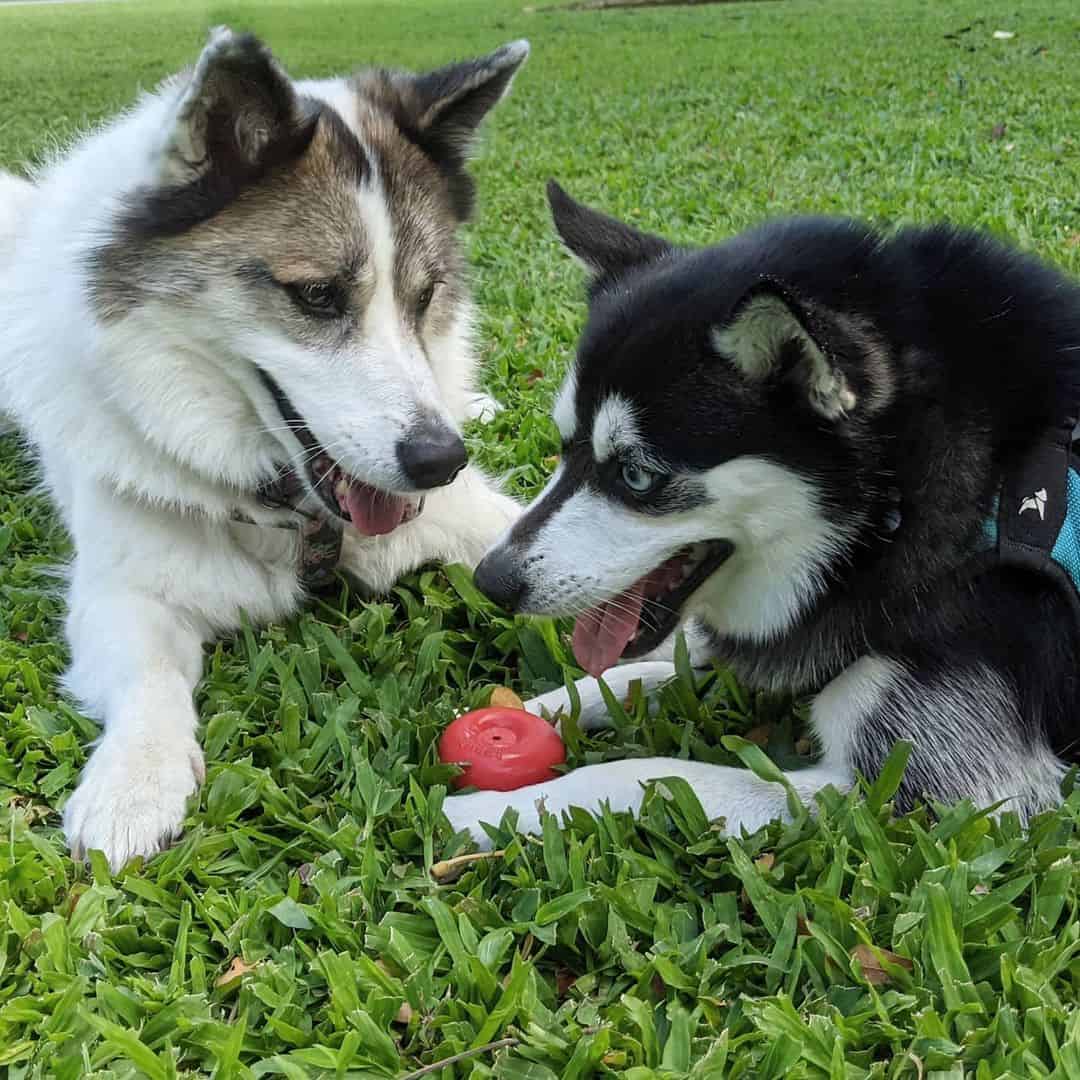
373, 512
601, 634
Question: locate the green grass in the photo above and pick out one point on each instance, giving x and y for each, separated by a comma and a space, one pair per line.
653, 949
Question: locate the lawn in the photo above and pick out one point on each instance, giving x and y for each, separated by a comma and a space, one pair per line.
296, 930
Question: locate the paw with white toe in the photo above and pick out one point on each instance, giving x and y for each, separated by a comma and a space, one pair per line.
132, 797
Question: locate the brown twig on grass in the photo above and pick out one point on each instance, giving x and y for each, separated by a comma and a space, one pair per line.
448, 869
453, 1059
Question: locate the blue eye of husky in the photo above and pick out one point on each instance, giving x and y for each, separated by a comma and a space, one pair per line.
637, 479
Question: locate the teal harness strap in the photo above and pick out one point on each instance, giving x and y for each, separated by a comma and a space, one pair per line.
1036, 524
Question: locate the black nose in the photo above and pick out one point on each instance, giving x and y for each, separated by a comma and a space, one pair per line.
497, 577
431, 455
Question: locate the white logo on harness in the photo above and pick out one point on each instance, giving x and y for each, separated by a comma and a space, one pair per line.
1035, 502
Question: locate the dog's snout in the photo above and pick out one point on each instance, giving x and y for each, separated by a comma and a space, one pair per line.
498, 577
431, 455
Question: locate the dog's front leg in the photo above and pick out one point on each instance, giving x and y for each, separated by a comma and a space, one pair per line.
458, 524
736, 796
135, 664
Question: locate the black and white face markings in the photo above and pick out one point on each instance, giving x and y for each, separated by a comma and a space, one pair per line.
615, 517
603, 444
740, 542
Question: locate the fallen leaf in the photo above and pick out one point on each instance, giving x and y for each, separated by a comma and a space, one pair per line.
237, 969
74, 896
759, 735
564, 979
871, 965
997, 131
30, 810
802, 927
765, 862
404, 1014
534, 376
504, 698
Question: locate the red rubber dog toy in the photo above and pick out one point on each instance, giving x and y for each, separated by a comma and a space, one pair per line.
501, 749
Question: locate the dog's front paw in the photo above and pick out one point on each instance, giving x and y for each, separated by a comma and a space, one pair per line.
482, 407
132, 797
468, 812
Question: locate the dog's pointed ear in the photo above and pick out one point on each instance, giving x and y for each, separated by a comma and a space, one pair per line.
451, 102
440, 111
772, 335
606, 246
237, 117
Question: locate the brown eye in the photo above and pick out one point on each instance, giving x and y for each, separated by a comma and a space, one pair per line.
423, 301
321, 298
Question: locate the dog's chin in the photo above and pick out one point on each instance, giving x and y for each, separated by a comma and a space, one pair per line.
640, 618
371, 510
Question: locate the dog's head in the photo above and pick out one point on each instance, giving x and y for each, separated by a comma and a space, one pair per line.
294, 252
717, 430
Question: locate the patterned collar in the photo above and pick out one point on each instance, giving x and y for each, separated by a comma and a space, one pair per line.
318, 550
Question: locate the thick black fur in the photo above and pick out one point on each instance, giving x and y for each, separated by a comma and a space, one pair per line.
973, 352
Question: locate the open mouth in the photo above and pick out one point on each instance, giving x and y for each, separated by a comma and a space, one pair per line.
637, 620
371, 510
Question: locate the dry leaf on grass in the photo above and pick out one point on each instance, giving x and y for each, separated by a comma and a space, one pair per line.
871, 965
237, 970
504, 698
759, 735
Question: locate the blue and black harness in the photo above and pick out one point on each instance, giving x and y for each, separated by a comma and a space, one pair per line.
1036, 523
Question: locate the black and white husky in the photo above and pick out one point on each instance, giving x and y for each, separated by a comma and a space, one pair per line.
843, 459
235, 325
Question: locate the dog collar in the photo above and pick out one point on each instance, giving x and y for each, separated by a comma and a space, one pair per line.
311, 541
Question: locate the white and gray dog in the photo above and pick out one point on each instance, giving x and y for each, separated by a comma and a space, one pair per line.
236, 330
